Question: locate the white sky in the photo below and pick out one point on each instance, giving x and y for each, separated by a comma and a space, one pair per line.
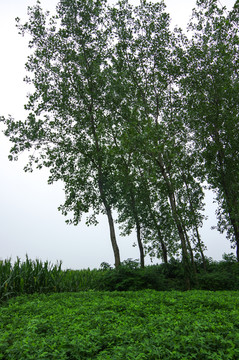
29, 220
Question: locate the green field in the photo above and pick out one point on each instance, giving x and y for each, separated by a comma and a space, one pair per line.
121, 325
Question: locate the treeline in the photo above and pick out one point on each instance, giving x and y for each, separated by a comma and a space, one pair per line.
134, 117
29, 277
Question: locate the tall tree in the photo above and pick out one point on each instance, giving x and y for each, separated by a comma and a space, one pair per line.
108, 119
66, 121
211, 89
144, 52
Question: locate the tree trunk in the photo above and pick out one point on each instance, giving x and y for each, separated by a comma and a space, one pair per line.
113, 236
229, 196
191, 252
163, 246
138, 229
110, 220
200, 248
102, 189
171, 196
141, 248
195, 223
236, 234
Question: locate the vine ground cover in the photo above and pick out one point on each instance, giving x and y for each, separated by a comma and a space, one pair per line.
121, 325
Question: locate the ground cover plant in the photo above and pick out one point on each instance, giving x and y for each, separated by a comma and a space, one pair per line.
121, 325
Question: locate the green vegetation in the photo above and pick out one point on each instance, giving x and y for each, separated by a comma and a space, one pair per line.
31, 277
134, 118
121, 325
88, 314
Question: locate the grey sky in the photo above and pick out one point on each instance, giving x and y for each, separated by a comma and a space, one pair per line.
29, 220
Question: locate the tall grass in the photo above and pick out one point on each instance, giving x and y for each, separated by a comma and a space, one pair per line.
30, 276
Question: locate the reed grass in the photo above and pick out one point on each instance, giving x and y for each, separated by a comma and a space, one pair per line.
28, 277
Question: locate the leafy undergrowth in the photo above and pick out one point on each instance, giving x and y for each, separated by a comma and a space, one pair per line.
35, 276
121, 325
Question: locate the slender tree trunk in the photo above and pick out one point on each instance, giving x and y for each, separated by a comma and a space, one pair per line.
138, 229
110, 220
236, 234
190, 251
164, 251
102, 189
199, 242
200, 248
113, 236
171, 196
232, 211
162, 244
133, 207
229, 196
141, 248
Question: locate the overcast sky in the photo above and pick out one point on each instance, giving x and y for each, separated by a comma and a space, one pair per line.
29, 220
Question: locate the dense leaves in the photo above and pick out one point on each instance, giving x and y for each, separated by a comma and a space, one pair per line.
133, 325
134, 117
29, 277
211, 95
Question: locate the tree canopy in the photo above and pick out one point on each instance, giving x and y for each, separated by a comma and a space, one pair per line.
135, 117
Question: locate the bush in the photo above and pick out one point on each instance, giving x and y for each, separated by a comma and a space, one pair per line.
30, 277
220, 275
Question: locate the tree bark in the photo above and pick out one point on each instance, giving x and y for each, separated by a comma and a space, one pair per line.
110, 219
229, 196
102, 190
190, 251
138, 229
162, 244
200, 248
141, 248
195, 224
113, 236
171, 196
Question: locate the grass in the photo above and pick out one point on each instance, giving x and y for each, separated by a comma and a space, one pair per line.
29, 277
121, 325
47, 313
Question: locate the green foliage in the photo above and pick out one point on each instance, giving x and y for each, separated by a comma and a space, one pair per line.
30, 277
210, 87
222, 275
105, 118
219, 276
143, 325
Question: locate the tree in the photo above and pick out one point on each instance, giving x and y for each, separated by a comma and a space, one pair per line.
108, 119
211, 90
146, 56
66, 121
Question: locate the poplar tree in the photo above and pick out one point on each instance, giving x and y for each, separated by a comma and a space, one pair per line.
65, 128
211, 89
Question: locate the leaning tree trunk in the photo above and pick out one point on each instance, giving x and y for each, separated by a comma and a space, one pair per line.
110, 220
162, 243
157, 227
230, 196
138, 229
172, 201
102, 189
140, 245
190, 252
113, 236
199, 241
